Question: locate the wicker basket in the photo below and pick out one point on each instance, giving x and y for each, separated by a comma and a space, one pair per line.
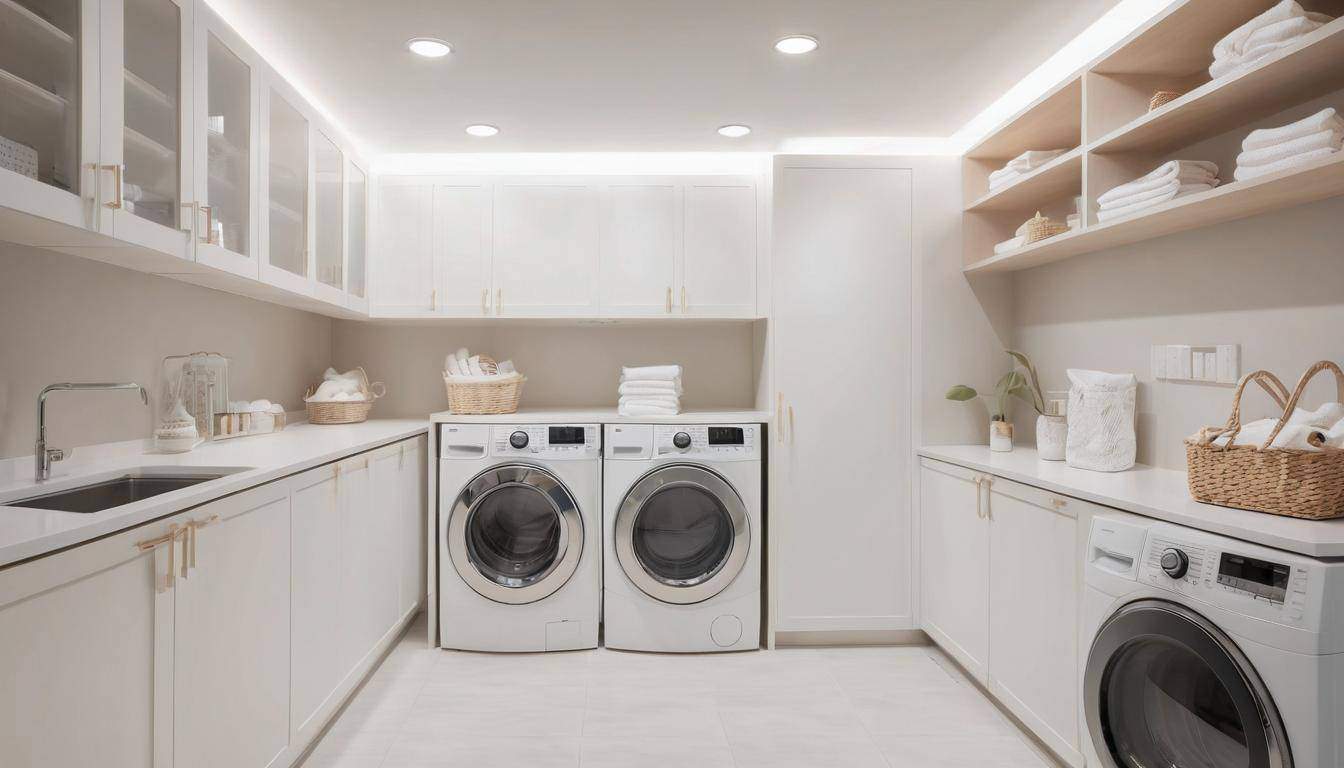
1279, 481
346, 412
484, 397
1163, 97
1040, 228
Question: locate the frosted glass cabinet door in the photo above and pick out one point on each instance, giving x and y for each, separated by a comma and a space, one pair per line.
329, 168
286, 188
357, 193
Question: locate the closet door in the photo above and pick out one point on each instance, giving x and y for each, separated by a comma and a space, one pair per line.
830, 503
718, 276
403, 266
462, 249
545, 260
641, 236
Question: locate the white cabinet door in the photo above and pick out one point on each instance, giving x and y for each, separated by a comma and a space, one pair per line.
841, 506
1033, 611
359, 579
403, 281
954, 564
641, 231
719, 268
87, 667
461, 243
411, 536
316, 599
286, 222
545, 248
232, 634
385, 521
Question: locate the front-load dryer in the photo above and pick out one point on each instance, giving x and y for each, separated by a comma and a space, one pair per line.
520, 536
682, 531
1206, 651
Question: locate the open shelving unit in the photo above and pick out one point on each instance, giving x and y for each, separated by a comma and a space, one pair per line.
1118, 139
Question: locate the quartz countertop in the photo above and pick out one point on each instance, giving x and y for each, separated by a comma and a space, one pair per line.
26, 533
1153, 492
605, 415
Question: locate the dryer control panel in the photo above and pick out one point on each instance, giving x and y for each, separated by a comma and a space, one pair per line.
548, 441
719, 442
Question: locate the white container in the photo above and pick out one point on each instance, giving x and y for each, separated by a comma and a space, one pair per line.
1000, 436
1052, 433
1101, 421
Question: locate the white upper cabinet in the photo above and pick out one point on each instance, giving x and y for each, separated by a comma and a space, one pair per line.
285, 160
462, 249
545, 248
329, 240
356, 239
640, 248
403, 279
719, 270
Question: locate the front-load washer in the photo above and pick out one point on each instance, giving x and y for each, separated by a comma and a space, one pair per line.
520, 536
1206, 651
682, 531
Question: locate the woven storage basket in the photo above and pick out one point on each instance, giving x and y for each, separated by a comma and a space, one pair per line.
1279, 481
484, 397
348, 412
1040, 228
1163, 97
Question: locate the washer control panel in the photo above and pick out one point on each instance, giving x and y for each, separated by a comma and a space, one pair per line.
549, 441
720, 442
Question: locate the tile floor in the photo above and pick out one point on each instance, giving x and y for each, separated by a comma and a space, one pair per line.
852, 707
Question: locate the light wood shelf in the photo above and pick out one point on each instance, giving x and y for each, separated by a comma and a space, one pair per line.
1058, 178
1226, 203
1054, 121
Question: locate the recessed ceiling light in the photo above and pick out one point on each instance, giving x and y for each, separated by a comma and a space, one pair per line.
796, 44
482, 129
734, 131
429, 47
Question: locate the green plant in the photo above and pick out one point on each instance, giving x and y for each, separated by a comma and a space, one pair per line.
1032, 394
1012, 384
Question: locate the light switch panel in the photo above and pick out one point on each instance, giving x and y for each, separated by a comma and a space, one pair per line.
1210, 363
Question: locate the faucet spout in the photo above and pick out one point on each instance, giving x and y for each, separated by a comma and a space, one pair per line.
44, 456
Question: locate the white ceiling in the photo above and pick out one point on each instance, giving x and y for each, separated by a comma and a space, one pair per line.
654, 75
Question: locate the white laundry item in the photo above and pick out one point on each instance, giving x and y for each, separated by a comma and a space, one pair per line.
462, 356
669, 401
1004, 180
1324, 417
1188, 171
665, 385
1101, 432
1232, 67
1334, 437
1184, 190
1306, 158
1010, 245
451, 367
1328, 138
1073, 221
1235, 43
474, 366
1327, 119
1160, 194
647, 410
651, 372
639, 388
505, 368
1034, 158
1288, 29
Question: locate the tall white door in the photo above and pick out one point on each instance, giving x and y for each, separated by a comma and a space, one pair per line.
641, 236
462, 249
545, 248
403, 280
719, 267
954, 564
842, 370
315, 603
232, 634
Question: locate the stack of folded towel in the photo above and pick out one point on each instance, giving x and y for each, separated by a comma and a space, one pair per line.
1170, 180
463, 367
1270, 150
1022, 165
650, 391
1278, 28
1305, 430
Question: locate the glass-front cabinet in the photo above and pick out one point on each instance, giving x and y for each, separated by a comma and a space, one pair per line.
286, 160
329, 174
356, 282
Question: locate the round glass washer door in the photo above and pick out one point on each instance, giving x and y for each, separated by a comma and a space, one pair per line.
1165, 687
682, 534
515, 534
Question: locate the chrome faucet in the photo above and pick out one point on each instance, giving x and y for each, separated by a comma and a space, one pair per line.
44, 456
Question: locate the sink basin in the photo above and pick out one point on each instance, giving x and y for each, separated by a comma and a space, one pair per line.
115, 492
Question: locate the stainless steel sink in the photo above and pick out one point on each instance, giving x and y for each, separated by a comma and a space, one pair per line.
115, 492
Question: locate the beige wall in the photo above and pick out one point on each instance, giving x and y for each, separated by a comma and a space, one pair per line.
69, 319
566, 365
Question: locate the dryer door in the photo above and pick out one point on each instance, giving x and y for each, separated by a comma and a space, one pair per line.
682, 534
1165, 687
515, 534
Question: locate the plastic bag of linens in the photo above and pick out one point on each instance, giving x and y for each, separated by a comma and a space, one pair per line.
1101, 421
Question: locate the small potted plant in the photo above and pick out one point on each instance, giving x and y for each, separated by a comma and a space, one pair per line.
1013, 384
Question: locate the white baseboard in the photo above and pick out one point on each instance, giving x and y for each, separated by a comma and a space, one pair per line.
850, 637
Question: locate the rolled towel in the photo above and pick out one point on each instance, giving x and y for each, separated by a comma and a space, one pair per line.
451, 366
1325, 120
474, 366
1306, 158
1010, 245
647, 410
462, 356
1327, 416
1186, 171
651, 372
1004, 180
1184, 190
1328, 138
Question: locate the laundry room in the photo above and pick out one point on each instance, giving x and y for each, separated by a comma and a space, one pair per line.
867, 384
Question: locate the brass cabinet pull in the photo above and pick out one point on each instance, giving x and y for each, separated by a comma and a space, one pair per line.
189, 542
499, 300
790, 424
401, 457
434, 300
683, 298
169, 538
669, 299
979, 503
989, 497
119, 201
209, 223
485, 301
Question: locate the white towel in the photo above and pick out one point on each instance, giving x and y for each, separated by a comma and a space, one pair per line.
652, 372
1325, 120
1306, 158
1170, 190
1034, 158
1186, 171
1184, 190
670, 401
647, 410
474, 366
1008, 177
451, 367
650, 388
1010, 245
1328, 138
1327, 416
1296, 436
1288, 29
1237, 42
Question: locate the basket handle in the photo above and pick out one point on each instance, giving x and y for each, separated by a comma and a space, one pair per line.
1269, 383
1302, 387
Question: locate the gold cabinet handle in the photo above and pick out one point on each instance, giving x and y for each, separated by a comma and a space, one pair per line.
119, 201
683, 298
209, 223
669, 299
485, 301
790, 423
499, 300
169, 538
434, 300
979, 503
779, 417
401, 456
989, 501
189, 542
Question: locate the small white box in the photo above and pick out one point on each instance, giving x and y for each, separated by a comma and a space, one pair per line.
1197, 363
1210, 366
1229, 363
1159, 357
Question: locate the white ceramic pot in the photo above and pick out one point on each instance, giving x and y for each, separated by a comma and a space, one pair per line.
1052, 433
1000, 436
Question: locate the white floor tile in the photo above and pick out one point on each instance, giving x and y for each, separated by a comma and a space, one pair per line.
957, 752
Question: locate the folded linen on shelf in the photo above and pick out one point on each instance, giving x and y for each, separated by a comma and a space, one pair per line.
1324, 139
1245, 173
652, 388
1022, 165
1168, 191
668, 401
1173, 193
1282, 26
1327, 119
1010, 245
1181, 171
651, 373
646, 410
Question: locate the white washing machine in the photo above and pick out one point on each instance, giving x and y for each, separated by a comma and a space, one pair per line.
682, 533
1205, 651
520, 536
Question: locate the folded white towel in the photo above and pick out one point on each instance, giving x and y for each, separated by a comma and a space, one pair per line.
668, 401
1282, 26
1301, 437
1010, 245
1306, 158
998, 182
1232, 67
1327, 416
1328, 138
450, 365
1034, 158
1184, 190
1170, 190
474, 366
1236, 42
1185, 171
651, 372
647, 410
1288, 29
650, 388
1325, 120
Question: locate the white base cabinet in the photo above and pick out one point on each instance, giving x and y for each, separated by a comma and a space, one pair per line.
223, 636
1001, 589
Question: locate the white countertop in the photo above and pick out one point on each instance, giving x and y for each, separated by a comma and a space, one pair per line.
27, 533
1152, 492
604, 415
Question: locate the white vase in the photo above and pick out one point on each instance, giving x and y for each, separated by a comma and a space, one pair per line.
1052, 433
1000, 436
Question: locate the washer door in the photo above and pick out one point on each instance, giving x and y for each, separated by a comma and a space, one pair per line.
1165, 687
682, 534
515, 534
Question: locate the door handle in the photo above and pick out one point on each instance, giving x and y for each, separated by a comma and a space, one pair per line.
189, 541
434, 300
989, 493
119, 200
170, 538
790, 424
